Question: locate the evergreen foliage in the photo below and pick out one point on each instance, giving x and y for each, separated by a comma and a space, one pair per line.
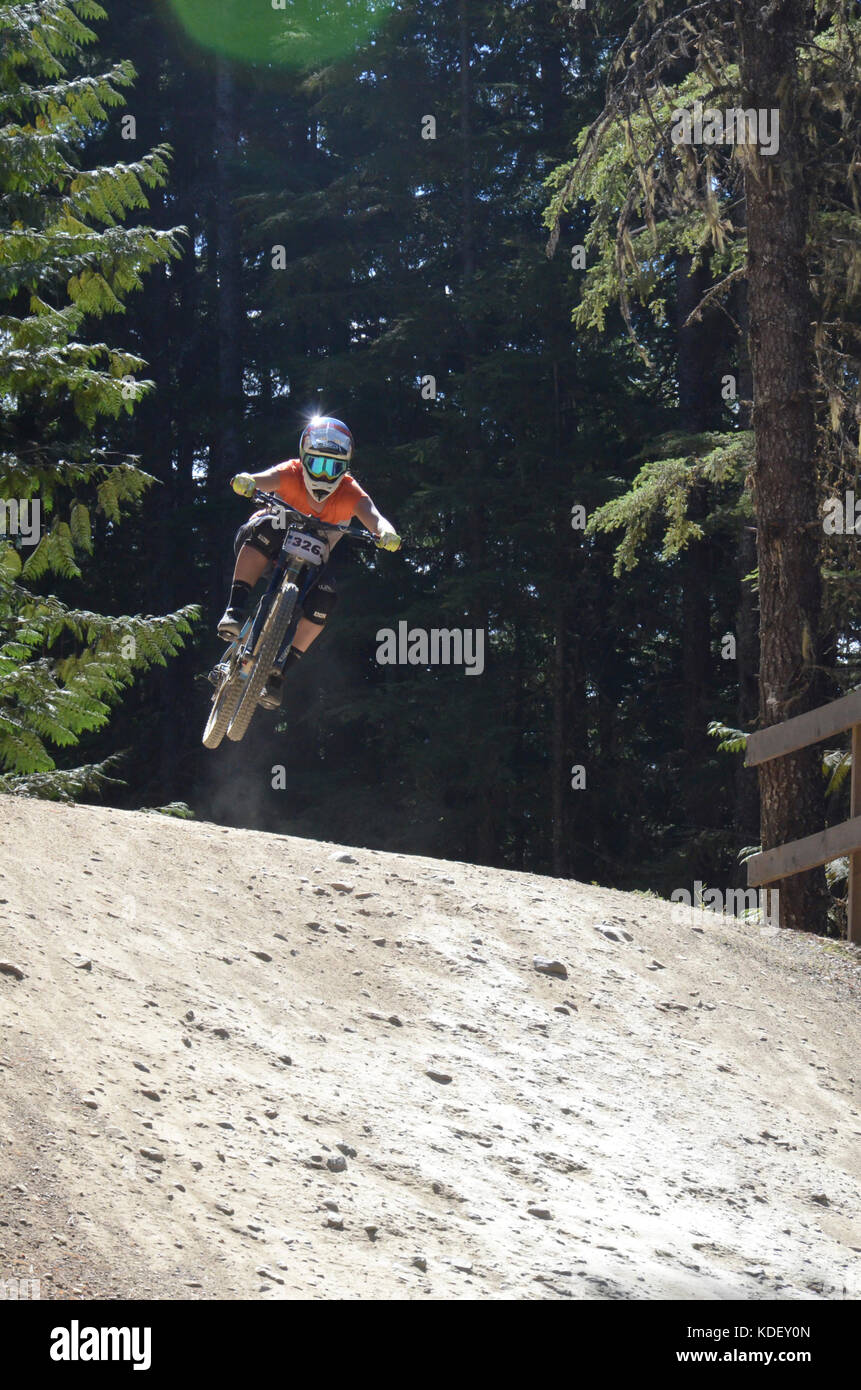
337, 258
66, 259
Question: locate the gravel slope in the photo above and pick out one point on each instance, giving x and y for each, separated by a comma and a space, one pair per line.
238, 1064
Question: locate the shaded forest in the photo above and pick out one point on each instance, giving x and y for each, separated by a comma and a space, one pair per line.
562, 433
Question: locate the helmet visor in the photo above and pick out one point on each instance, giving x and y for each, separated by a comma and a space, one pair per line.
319, 466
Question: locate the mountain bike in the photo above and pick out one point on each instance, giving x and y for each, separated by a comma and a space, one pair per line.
262, 646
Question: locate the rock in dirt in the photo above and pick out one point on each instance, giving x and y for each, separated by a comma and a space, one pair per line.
550, 967
613, 933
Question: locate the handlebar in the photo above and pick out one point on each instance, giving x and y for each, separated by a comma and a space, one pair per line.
272, 498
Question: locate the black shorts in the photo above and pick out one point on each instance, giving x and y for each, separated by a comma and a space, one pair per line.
263, 534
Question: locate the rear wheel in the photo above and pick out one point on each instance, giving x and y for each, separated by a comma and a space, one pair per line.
273, 634
224, 703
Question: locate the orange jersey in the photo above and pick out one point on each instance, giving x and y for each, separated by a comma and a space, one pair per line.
339, 507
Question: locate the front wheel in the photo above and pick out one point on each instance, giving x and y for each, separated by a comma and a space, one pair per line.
273, 634
224, 703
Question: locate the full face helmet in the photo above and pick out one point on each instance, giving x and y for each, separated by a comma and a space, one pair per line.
325, 449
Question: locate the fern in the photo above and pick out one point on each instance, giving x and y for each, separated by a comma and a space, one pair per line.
837, 765
64, 785
178, 809
731, 740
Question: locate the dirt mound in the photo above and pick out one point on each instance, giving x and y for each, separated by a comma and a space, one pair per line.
244, 1065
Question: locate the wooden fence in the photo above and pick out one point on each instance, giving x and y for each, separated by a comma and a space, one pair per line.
840, 840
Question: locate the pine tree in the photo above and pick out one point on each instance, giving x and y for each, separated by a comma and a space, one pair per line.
67, 258
746, 211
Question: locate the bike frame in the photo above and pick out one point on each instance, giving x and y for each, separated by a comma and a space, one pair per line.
293, 568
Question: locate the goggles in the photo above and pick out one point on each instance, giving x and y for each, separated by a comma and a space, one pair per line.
321, 467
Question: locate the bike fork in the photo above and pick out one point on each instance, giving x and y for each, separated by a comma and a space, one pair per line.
250, 635
284, 649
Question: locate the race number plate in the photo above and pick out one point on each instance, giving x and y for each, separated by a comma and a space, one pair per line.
309, 548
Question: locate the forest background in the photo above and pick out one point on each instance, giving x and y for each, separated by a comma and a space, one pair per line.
365, 232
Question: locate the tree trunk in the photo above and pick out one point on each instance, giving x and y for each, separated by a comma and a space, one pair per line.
474, 460
747, 812
560, 751
783, 419
224, 453
467, 241
226, 448
696, 353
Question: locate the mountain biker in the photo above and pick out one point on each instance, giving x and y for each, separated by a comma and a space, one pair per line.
319, 484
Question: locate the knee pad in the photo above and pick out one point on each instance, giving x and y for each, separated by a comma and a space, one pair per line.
262, 535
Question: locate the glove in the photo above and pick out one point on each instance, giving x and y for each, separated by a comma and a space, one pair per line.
388, 539
244, 484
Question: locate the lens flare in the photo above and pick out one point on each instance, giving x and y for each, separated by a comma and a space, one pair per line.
292, 33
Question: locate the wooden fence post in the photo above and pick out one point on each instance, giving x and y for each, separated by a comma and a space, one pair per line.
838, 841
